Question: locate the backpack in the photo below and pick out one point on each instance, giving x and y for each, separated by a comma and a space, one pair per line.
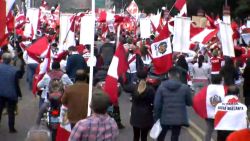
56, 87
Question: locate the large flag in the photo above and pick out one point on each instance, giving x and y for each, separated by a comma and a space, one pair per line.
118, 67
181, 39
181, 5
3, 21
38, 49
161, 52
41, 70
67, 34
230, 115
109, 17
204, 102
226, 39
133, 9
202, 35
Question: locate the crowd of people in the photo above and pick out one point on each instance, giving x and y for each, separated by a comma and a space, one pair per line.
204, 79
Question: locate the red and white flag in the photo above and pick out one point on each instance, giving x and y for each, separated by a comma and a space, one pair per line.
117, 68
202, 35
161, 52
231, 115
133, 9
38, 49
181, 5
42, 68
20, 20
5, 7
109, 17
3, 20
204, 102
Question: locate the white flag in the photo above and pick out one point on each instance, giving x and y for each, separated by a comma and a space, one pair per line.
33, 15
66, 36
226, 38
87, 30
181, 39
145, 27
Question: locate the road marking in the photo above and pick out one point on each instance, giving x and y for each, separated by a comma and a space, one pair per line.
198, 129
192, 133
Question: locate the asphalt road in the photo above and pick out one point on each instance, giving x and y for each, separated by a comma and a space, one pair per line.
28, 107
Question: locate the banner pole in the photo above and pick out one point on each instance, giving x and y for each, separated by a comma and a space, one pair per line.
91, 57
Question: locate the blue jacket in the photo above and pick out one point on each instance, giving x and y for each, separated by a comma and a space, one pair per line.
75, 62
170, 103
8, 82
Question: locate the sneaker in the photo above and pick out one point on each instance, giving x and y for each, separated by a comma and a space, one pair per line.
120, 126
13, 130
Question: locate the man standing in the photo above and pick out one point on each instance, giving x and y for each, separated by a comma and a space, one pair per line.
75, 98
170, 105
99, 126
74, 62
8, 86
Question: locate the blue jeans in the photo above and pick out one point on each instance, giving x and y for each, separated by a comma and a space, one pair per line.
132, 77
176, 129
31, 69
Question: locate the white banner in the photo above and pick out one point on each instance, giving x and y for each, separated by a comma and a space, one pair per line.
227, 19
33, 16
181, 39
226, 38
87, 30
66, 37
248, 23
145, 27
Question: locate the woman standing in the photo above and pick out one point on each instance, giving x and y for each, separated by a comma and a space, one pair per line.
246, 84
200, 73
142, 107
229, 72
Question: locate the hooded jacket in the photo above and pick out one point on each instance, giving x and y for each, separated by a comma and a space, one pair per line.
170, 103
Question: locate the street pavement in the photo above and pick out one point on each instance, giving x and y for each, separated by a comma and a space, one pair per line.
28, 107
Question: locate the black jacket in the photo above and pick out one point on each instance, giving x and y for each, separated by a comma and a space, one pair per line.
142, 106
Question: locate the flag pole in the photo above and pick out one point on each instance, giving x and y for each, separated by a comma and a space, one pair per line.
91, 57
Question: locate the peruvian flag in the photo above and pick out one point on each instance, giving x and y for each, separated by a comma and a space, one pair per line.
161, 52
117, 68
133, 9
109, 17
231, 115
181, 5
204, 102
41, 70
202, 35
38, 49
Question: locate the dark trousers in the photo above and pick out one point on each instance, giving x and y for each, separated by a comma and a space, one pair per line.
140, 133
222, 135
11, 106
31, 69
175, 129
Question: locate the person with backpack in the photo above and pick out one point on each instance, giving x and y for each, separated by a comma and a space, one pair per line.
52, 83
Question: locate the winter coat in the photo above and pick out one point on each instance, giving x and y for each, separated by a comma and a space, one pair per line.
142, 108
75, 62
170, 103
8, 82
